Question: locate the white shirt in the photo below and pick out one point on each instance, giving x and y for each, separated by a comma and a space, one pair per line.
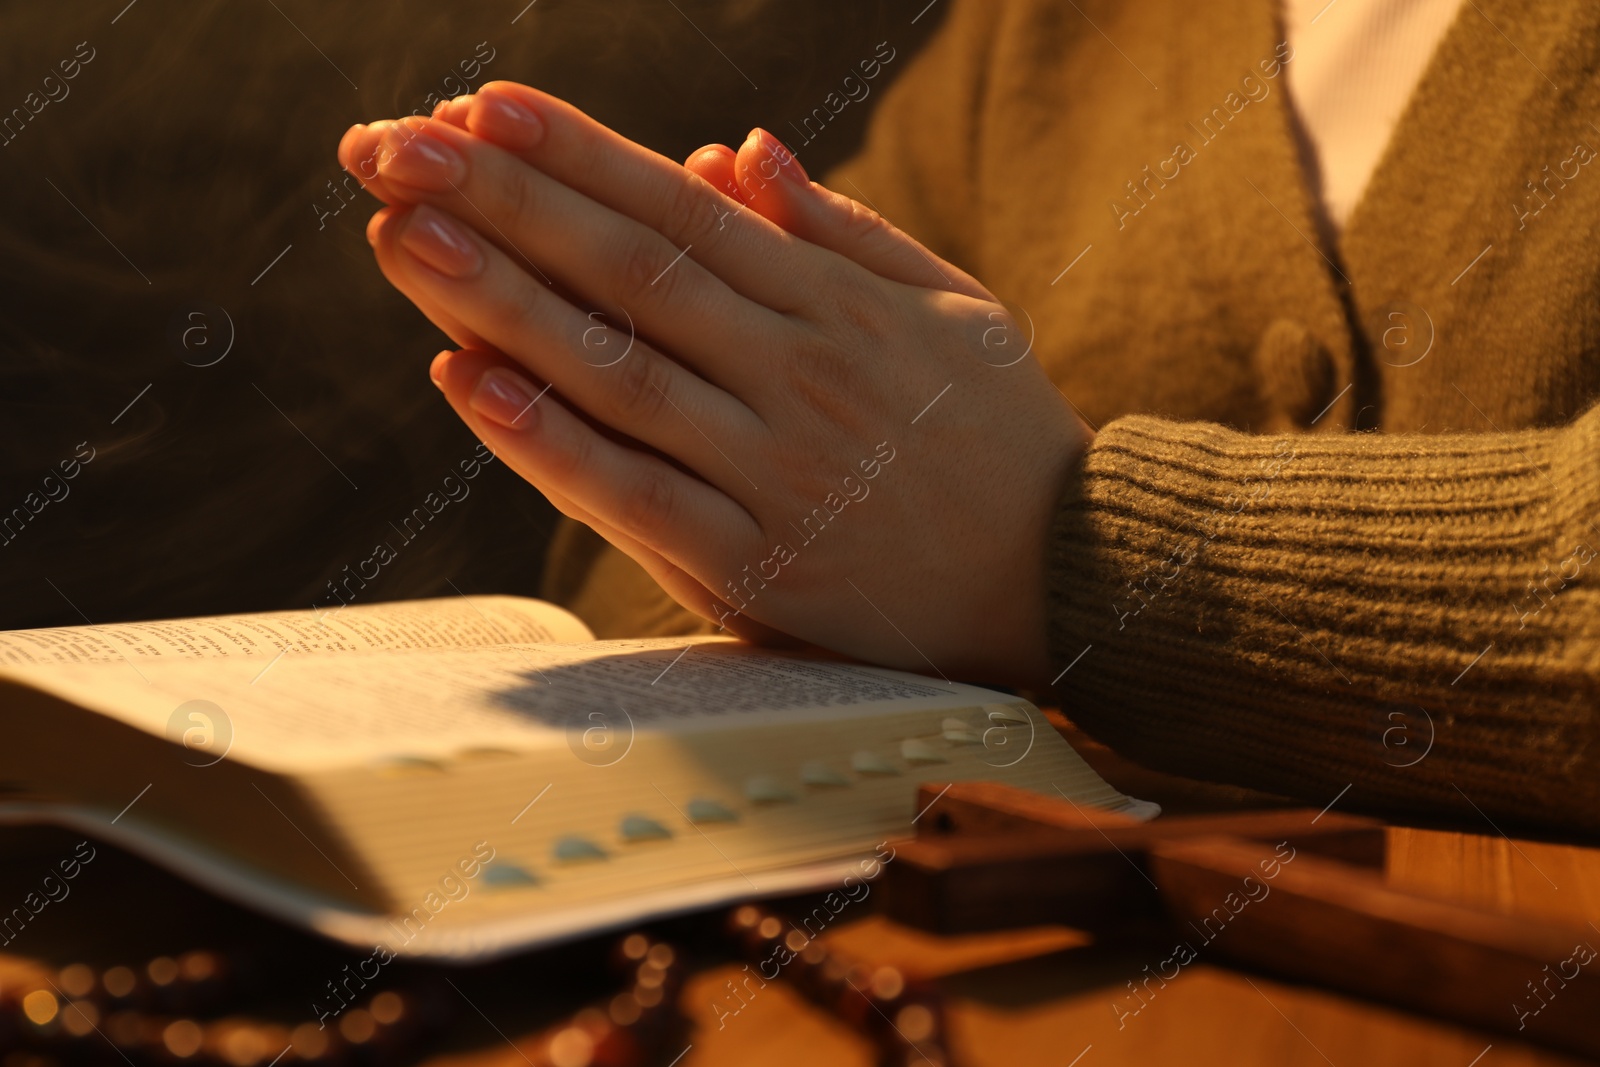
1356, 64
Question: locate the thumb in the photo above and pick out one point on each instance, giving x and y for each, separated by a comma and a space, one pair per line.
771, 180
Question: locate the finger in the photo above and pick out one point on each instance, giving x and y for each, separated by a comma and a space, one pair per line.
437, 313
838, 223
715, 164
676, 582
357, 142
454, 111
356, 150
456, 374
360, 147
643, 499
358, 153
616, 378
754, 257
605, 257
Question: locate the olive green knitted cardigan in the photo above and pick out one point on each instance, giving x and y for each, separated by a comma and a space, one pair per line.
1338, 526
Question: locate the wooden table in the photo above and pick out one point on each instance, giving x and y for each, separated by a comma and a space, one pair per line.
1046, 997
1042, 996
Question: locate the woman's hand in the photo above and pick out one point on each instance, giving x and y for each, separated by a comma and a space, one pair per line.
792, 442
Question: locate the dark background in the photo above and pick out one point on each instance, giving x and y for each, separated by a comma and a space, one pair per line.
194, 148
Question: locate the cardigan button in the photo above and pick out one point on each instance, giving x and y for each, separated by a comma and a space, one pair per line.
1296, 375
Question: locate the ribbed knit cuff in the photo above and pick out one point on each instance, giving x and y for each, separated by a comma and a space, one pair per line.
1413, 616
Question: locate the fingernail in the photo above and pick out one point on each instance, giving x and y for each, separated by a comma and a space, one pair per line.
504, 397
356, 151
414, 157
347, 138
510, 122
436, 369
441, 242
368, 151
373, 224
787, 163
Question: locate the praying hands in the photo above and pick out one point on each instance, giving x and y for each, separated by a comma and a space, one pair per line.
799, 421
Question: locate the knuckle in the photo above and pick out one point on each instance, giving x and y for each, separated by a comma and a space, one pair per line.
862, 310
1001, 339
822, 373
656, 260
515, 189
647, 268
689, 213
862, 222
641, 397
650, 502
522, 308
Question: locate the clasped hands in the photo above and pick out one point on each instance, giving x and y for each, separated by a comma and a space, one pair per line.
798, 420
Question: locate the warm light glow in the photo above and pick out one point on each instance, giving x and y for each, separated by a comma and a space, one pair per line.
182, 1038
572, 1047
387, 1008
40, 1006
119, 981
357, 1027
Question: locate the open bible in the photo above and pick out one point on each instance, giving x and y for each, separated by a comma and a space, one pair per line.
467, 776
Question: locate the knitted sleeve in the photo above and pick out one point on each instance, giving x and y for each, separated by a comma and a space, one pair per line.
1416, 618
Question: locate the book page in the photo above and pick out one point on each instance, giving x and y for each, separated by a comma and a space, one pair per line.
319, 711
409, 624
415, 758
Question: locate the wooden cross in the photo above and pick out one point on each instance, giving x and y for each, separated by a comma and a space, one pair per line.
1295, 892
